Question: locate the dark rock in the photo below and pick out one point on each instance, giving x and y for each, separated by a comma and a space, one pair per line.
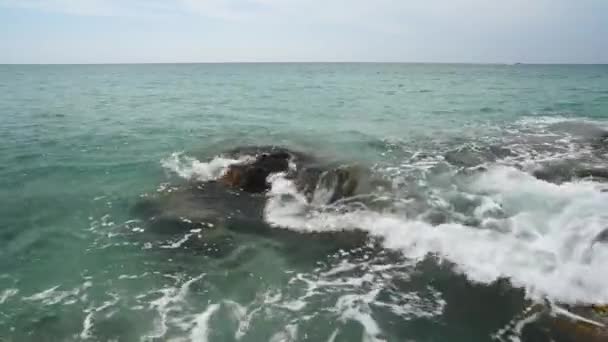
469, 157
297, 157
568, 170
602, 237
463, 157
252, 176
307, 179
580, 129
595, 173
197, 206
220, 212
555, 173
337, 184
578, 330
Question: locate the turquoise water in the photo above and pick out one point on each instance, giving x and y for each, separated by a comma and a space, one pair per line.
467, 238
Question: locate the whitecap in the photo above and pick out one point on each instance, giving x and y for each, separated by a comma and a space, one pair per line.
200, 329
172, 299
544, 245
6, 294
193, 169
87, 324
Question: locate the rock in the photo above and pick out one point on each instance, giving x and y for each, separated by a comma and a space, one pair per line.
252, 176
197, 206
580, 331
556, 172
579, 129
567, 170
601, 310
326, 186
594, 327
306, 180
215, 211
595, 173
470, 157
320, 184
297, 157
602, 237
337, 184
463, 157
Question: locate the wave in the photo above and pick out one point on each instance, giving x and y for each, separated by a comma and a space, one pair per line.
491, 218
539, 235
193, 169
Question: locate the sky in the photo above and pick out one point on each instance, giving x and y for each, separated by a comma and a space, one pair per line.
173, 31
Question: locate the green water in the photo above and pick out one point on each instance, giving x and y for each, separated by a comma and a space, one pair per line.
81, 145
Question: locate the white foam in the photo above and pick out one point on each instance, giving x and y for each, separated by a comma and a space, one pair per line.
356, 307
561, 311
178, 243
193, 169
6, 294
171, 300
242, 316
544, 121
87, 324
133, 276
288, 334
544, 244
200, 330
54, 296
333, 335
409, 305
512, 331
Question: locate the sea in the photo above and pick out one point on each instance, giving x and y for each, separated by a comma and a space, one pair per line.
486, 218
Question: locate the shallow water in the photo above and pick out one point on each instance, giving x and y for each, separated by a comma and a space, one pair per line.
490, 207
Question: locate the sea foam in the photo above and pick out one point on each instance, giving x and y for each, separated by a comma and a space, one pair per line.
545, 241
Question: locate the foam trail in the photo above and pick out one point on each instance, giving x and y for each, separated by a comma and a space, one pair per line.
544, 244
178, 243
200, 331
193, 169
560, 311
356, 307
290, 333
172, 298
87, 324
6, 294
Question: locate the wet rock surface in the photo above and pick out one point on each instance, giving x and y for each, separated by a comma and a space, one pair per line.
214, 211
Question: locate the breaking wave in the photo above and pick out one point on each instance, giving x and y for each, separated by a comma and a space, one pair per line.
537, 234
494, 222
193, 169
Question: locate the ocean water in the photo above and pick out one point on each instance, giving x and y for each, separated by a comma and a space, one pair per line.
490, 224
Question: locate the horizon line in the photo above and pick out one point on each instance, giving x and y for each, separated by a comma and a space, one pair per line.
310, 62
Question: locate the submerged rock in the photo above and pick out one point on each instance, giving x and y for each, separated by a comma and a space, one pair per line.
580, 129
197, 206
568, 170
590, 326
470, 157
199, 212
595, 173
556, 172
